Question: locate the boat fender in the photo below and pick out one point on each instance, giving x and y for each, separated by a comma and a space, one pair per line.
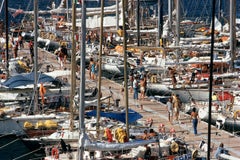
108, 135
174, 147
194, 153
55, 153
154, 79
236, 114
28, 125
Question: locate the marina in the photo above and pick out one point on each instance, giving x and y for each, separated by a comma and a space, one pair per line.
129, 86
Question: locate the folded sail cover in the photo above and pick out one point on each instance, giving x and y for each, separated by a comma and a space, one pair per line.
26, 79
120, 116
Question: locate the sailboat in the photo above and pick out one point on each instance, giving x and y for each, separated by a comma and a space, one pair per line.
61, 9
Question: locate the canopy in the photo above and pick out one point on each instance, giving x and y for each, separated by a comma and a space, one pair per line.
120, 116
225, 95
26, 79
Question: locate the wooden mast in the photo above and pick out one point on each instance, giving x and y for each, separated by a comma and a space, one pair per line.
124, 4
211, 80
35, 56
138, 22
82, 82
232, 32
73, 64
117, 15
7, 39
100, 68
160, 22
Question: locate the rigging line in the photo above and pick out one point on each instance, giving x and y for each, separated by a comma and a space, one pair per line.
33, 95
9, 143
2, 6
27, 10
27, 154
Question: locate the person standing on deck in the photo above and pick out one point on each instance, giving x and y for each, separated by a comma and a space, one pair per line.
31, 50
20, 41
64, 54
42, 92
142, 88
170, 110
60, 58
172, 73
90, 67
93, 70
175, 103
15, 49
135, 90
131, 78
3, 56
193, 76
194, 116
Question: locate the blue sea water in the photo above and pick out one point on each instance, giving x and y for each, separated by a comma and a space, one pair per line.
201, 9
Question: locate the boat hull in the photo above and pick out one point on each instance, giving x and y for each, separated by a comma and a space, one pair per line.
187, 94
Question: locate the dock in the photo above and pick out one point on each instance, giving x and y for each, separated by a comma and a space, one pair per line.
158, 112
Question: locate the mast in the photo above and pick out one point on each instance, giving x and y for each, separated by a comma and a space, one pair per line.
219, 9
124, 4
82, 82
68, 10
177, 38
138, 22
35, 56
117, 15
211, 80
7, 39
170, 14
73, 64
232, 32
160, 21
100, 68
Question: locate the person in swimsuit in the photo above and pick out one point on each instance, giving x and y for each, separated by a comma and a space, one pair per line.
194, 116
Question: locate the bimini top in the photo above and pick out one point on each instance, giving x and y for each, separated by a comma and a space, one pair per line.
120, 116
23, 80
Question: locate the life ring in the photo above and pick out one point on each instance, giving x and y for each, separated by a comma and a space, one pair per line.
55, 153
